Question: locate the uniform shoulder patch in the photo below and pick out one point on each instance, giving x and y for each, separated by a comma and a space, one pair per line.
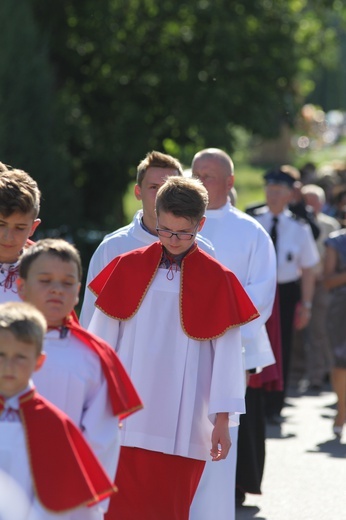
256, 210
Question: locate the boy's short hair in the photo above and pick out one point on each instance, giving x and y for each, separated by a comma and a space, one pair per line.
183, 197
18, 192
53, 246
157, 160
25, 322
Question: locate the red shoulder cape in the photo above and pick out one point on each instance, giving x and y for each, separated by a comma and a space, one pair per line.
66, 474
123, 395
124, 282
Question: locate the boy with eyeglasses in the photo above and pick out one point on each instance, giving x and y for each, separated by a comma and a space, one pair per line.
173, 313
152, 171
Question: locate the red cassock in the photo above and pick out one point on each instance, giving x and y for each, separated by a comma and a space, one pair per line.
66, 474
124, 282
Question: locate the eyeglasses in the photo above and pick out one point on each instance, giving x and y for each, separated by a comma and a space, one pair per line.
166, 233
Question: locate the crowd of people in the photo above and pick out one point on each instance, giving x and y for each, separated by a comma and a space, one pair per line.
152, 404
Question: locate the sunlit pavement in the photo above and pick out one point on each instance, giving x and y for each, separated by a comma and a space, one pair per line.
305, 470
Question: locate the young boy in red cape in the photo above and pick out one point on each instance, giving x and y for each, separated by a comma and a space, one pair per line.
173, 314
40, 448
82, 375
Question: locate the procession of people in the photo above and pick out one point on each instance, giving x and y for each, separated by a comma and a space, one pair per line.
151, 403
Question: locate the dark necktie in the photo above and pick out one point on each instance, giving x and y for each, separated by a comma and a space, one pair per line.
274, 231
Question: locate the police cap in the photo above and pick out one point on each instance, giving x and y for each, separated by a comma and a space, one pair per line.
279, 176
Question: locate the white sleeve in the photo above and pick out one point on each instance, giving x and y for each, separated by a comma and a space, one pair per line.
98, 261
261, 288
227, 393
261, 283
309, 253
101, 429
105, 327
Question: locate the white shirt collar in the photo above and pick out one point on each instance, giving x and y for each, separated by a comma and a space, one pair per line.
219, 212
13, 402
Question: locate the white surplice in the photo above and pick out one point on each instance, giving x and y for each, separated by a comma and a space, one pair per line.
182, 382
72, 379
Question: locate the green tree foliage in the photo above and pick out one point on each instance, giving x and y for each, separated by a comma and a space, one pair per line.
175, 75
330, 76
28, 129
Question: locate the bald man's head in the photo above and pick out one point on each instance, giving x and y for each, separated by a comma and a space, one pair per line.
215, 169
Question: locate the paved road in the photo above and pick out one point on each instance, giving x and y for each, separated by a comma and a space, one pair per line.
305, 471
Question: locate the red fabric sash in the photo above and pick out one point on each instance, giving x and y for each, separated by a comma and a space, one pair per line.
271, 377
66, 474
122, 285
123, 395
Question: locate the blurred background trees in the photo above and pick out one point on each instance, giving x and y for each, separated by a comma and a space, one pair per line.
29, 112
88, 88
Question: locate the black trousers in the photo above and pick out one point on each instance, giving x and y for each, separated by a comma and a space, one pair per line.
251, 443
289, 296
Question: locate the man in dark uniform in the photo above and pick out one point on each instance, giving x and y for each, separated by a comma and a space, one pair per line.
296, 256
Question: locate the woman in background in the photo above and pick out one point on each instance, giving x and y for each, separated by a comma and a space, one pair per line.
335, 282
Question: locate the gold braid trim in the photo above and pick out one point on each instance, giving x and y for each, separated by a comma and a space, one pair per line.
140, 300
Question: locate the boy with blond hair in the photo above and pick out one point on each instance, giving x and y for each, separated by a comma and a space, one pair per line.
40, 448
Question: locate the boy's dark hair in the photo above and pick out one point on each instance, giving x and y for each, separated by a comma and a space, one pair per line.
183, 197
18, 192
25, 322
53, 246
157, 160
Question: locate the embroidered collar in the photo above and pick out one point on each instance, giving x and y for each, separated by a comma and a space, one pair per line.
10, 274
62, 331
172, 262
14, 401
